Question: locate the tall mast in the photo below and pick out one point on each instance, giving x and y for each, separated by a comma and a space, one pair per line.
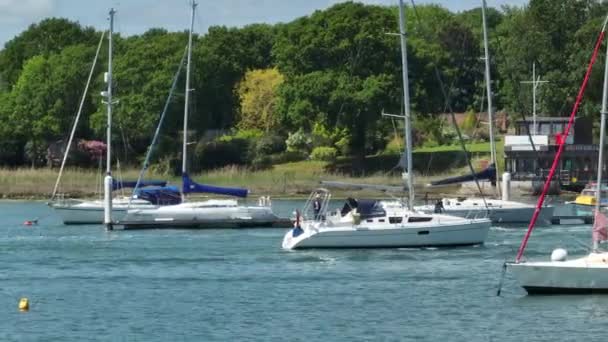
187, 97
534, 85
489, 87
108, 179
600, 162
406, 101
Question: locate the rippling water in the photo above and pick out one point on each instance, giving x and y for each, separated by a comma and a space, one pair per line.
231, 285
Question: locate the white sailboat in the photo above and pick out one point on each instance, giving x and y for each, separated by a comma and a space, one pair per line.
365, 224
214, 213
499, 210
586, 274
84, 211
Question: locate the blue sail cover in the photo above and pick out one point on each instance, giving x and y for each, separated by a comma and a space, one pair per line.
116, 184
160, 195
189, 186
489, 173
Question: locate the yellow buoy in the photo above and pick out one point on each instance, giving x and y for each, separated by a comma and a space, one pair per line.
24, 304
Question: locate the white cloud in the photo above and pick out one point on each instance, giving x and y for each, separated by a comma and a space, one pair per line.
17, 11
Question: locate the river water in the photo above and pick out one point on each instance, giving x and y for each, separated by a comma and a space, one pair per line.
84, 283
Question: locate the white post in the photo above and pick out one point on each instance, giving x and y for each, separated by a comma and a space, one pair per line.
406, 97
107, 217
506, 186
187, 98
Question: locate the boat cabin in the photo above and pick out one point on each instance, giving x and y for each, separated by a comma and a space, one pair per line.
527, 160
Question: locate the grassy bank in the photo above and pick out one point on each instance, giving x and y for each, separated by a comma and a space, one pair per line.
284, 180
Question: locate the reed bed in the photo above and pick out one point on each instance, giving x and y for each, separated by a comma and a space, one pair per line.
284, 180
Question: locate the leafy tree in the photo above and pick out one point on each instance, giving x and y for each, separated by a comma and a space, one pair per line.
46, 37
257, 92
220, 61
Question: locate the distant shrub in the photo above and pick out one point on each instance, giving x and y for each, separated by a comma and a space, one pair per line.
220, 153
269, 144
288, 157
394, 146
324, 153
299, 141
470, 121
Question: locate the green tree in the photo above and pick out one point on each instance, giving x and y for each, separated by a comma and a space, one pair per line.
257, 92
46, 37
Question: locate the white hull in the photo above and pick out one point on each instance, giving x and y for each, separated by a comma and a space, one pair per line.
207, 214
588, 274
499, 211
91, 212
470, 233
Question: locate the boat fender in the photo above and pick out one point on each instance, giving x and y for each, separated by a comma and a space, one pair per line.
356, 216
559, 254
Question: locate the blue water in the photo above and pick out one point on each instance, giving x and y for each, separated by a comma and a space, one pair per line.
233, 285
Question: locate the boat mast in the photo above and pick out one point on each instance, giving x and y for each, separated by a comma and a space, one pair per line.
187, 98
406, 102
489, 88
108, 179
600, 162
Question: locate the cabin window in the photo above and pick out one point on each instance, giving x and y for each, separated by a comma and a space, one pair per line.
458, 204
474, 203
419, 219
381, 220
423, 232
369, 220
395, 219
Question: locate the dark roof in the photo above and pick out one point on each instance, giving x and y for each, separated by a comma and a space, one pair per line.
546, 119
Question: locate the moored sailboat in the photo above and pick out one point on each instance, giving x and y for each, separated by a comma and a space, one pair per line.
87, 211
586, 274
368, 224
500, 210
213, 213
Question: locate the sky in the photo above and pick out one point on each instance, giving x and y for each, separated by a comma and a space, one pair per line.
137, 16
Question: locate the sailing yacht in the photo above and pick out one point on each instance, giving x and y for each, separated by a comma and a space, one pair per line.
82, 211
213, 213
586, 274
369, 223
499, 210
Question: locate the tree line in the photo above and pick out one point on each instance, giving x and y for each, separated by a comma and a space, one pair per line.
311, 88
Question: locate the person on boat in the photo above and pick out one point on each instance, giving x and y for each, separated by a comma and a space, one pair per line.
316, 206
439, 207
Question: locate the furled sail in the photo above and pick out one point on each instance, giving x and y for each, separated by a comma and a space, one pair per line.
189, 186
489, 173
119, 184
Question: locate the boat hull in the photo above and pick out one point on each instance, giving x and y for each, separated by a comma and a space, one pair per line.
91, 212
504, 215
200, 218
75, 216
566, 277
469, 233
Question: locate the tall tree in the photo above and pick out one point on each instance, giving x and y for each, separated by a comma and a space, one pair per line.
46, 37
